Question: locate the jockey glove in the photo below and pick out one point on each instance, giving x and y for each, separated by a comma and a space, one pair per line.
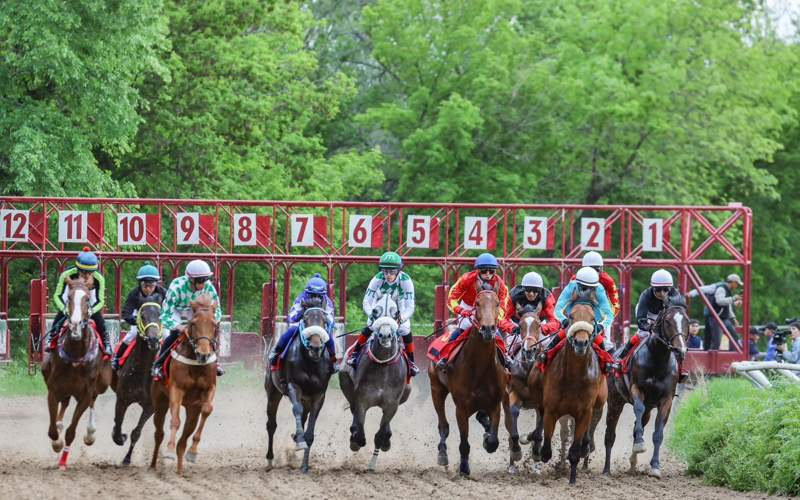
645, 325
464, 313
565, 323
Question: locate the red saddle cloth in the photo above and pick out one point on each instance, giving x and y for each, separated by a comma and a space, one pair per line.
57, 336
604, 357
441, 347
626, 362
127, 352
403, 353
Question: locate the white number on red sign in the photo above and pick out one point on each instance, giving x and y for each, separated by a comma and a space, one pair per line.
187, 228
131, 229
302, 230
593, 231
476, 233
418, 230
653, 235
244, 230
360, 235
72, 226
14, 225
534, 236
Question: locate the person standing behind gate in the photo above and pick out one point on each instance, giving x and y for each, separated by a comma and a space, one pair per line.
722, 300
177, 308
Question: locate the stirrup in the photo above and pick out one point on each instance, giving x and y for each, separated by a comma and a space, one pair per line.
442, 364
220, 370
413, 368
683, 377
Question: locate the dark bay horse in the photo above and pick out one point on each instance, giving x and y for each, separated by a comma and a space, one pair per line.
379, 380
477, 381
303, 378
650, 383
75, 369
190, 381
132, 381
574, 385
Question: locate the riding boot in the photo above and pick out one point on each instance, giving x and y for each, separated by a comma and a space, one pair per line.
442, 364
107, 351
408, 345
123, 346
683, 373
617, 364
166, 346
58, 322
360, 342
542, 356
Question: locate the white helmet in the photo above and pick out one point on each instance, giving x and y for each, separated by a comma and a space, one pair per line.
662, 277
588, 277
532, 279
198, 269
592, 259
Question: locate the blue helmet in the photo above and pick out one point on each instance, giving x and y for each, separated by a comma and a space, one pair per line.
316, 285
148, 272
87, 260
486, 260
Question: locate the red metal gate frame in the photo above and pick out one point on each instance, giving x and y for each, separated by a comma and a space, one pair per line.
625, 256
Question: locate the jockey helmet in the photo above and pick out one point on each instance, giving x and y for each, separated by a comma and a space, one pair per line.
661, 277
198, 269
86, 260
390, 260
316, 285
532, 279
592, 259
148, 272
486, 261
587, 276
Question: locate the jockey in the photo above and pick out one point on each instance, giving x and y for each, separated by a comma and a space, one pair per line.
595, 261
531, 292
462, 296
660, 293
315, 294
585, 279
392, 280
86, 267
177, 308
148, 290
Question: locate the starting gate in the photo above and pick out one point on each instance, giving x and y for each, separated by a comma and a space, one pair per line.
281, 234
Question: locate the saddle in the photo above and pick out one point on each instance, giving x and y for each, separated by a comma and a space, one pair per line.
54, 341
442, 347
626, 363
127, 352
165, 368
281, 355
603, 357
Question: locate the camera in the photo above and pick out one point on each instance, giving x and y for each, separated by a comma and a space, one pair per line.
789, 321
779, 338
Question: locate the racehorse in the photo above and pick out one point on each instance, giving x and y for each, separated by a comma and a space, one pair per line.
650, 383
476, 379
303, 377
132, 381
379, 380
76, 369
190, 381
575, 385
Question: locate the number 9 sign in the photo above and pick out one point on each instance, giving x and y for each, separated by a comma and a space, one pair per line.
187, 228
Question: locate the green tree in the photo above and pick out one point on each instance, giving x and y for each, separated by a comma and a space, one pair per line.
69, 104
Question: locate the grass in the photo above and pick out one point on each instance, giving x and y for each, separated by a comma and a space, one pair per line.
15, 380
740, 437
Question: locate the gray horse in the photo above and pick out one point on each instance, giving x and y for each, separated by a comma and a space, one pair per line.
303, 378
379, 380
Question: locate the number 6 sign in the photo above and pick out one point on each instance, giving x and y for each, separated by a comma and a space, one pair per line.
422, 232
366, 231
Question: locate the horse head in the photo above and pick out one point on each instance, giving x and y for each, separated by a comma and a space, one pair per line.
671, 328
148, 321
314, 332
77, 307
202, 327
530, 329
387, 322
580, 333
487, 308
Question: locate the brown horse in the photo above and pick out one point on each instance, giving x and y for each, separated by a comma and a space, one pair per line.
477, 381
574, 385
75, 369
190, 381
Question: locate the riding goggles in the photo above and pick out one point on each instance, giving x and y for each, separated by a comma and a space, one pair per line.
200, 279
661, 289
532, 289
391, 271
487, 270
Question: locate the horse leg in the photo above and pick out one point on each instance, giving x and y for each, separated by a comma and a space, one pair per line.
309, 433
582, 423
53, 431
638, 428
205, 410
615, 408
192, 417
297, 410
587, 447
62, 409
92, 427
384, 435
549, 426
463, 448
160, 408
120, 408
566, 426
490, 440
83, 403
512, 415
274, 397
147, 411
175, 401
357, 437
438, 396
658, 435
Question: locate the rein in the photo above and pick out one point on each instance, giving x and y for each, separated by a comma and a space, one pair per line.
659, 327
143, 327
193, 343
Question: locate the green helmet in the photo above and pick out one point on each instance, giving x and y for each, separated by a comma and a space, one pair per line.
390, 260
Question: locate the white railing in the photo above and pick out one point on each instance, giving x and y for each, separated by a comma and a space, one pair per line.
754, 371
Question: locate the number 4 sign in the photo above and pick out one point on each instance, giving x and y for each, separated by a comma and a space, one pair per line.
480, 233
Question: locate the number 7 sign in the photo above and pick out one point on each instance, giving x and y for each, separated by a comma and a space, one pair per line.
308, 230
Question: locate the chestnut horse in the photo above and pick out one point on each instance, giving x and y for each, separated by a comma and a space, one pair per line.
75, 369
477, 381
574, 385
190, 381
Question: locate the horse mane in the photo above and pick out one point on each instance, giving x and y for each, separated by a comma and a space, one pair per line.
203, 303
586, 297
527, 309
485, 286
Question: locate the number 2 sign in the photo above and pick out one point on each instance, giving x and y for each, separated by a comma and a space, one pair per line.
594, 235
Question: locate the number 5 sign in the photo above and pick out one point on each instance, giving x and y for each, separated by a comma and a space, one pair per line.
594, 234
422, 231
480, 233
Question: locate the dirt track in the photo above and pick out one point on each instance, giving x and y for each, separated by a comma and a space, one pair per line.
232, 464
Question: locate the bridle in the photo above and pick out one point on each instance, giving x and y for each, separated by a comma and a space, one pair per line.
659, 330
141, 326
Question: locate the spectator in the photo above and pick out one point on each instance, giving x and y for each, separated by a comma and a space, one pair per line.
694, 341
769, 333
755, 335
723, 300
792, 356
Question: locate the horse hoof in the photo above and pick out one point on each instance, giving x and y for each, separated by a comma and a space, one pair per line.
62, 467
304, 469
269, 464
655, 473
168, 455
512, 469
464, 469
537, 469
119, 438
126, 461
523, 439
300, 445
57, 445
88, 439
442, 459
516, 455
191, 457
639, 447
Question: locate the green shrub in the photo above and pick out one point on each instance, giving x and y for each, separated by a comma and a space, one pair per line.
741, 437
